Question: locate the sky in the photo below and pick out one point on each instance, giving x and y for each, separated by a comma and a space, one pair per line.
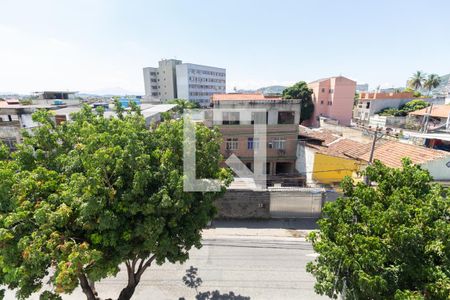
102, 45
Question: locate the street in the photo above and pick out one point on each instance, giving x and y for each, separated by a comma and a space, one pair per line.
252, 261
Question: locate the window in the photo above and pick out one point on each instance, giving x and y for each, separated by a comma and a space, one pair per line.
252, 143
321, 102
286, 117
153, 73
232, 144
153, 80
278, 143
230, 118
368, 105
330, 103
154, 87
323, 90
331, 91
260, 117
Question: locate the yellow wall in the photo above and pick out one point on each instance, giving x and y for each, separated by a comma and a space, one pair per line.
331, 169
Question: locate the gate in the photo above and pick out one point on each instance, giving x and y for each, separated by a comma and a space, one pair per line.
295, 202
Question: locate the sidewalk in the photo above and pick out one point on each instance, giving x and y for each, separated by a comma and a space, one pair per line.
260, 229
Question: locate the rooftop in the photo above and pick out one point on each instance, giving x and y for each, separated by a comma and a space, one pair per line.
382, 96
347, 148
328, 78
242, 97
391, 154
439, 111
325, 136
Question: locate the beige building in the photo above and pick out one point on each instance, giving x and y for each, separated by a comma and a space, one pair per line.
237, 127
161, 82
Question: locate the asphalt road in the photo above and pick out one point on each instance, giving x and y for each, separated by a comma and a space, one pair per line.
247, 262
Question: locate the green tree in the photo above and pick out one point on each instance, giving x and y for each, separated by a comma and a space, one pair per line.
301, 91
82, 199
431, 82
387, 241
416, 94
183, 104
414, 105
417, 80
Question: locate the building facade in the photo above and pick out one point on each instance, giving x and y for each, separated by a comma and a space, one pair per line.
161, 82
198, 83
333, 98
175, 79
371, 103
281, 117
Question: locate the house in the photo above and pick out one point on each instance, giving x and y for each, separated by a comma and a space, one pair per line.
435, 122
338, 160
55, 98
438, 117
370, 104
237, 114
333, 99
391, 153
311, 142
14, 118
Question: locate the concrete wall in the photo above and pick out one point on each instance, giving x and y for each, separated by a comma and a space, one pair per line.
439, 168
305, 162
270, 203
244, 204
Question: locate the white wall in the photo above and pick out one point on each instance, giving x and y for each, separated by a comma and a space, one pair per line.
305, 162
438, 168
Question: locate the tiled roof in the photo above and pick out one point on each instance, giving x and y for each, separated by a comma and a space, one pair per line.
325, 136
239, 97
391, 154
346, 148
349, 148
440, 111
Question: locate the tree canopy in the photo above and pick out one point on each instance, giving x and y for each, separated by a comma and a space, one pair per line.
387, 241
183, 104
82, 198
431, 82
408, 107
301, 91
417, 80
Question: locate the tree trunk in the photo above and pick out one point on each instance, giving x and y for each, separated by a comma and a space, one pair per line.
127, 292
86, 287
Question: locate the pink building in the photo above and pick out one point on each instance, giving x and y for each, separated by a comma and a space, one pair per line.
333, 98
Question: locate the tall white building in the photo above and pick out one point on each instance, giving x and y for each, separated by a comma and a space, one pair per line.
174, 79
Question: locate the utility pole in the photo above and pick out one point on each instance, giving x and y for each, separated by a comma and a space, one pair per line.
372, 150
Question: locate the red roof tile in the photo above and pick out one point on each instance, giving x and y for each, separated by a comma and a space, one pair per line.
391, 154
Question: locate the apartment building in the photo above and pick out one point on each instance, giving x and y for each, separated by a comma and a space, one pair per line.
198, 83
161, 82
333, 99
281, 117
175, 79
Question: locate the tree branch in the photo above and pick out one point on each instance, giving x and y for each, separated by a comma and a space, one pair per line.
144, 266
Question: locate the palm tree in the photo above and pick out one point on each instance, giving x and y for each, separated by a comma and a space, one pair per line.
416, 81
431, 82
183, 105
